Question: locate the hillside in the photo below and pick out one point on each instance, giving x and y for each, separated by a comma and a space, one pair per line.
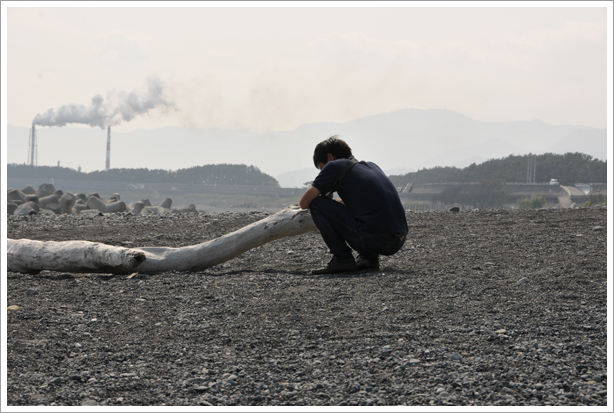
568, 169
221, 174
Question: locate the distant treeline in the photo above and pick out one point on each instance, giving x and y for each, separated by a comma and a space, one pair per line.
221, 174
568, 169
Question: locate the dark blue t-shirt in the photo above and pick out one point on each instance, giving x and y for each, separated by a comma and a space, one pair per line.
368, 194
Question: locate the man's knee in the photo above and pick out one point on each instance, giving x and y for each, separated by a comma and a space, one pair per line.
317, 204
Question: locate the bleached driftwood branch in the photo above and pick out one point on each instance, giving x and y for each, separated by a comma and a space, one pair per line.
30, 256
83, 256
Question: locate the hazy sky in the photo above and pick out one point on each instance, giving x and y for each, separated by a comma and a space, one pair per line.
275, 68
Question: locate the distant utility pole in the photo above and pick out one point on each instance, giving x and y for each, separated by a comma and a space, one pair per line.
531, 169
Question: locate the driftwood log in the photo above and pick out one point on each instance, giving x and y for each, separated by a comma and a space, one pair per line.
29, 256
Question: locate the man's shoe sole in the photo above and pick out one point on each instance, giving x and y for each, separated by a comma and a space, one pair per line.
365, 266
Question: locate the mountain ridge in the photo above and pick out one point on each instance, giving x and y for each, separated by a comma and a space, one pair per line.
406, 138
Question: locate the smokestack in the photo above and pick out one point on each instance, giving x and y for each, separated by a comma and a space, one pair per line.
108, 163
33, 148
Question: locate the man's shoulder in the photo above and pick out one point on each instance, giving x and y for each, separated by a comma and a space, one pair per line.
334, 166
367, 165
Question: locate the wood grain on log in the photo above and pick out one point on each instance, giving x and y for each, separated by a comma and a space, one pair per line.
31, 256
84, 256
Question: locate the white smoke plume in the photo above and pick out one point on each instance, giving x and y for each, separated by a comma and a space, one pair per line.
119, 107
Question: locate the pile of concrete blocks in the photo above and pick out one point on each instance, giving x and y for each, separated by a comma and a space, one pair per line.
48, 200
145, 207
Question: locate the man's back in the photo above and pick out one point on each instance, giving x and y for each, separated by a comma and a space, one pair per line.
368, 194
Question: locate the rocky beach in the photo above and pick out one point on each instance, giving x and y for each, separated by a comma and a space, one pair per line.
479, 308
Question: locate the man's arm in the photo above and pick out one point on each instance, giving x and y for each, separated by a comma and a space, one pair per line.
310, 194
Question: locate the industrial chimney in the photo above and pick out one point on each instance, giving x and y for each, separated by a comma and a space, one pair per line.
108, 163
33, 148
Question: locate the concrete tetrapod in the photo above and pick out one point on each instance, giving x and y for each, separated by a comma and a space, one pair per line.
83, 256
66, 202
96, 203
135, 207
29, 208
166, 203
45, 189
16, 196
11, 208
46, 200
28, 190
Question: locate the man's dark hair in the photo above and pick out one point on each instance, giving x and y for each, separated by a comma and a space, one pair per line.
333, 145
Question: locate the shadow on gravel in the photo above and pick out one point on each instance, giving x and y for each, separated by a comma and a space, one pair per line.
266, 271
363, 273
307, 273
106, 277
44, 275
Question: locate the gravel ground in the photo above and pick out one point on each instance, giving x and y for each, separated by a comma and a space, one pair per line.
498, 307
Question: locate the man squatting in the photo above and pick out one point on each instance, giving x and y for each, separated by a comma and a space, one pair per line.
370, 217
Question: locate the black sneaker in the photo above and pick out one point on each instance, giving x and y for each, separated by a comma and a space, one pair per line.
364, 263
335, 267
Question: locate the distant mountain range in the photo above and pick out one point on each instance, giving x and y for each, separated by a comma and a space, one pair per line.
399, 142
